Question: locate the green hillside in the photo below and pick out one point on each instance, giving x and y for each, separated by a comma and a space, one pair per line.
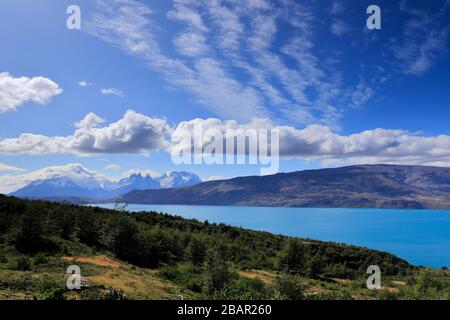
157, 256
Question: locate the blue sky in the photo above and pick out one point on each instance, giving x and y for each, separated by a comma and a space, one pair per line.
340, 93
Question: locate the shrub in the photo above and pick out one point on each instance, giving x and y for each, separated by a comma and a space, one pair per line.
332, 295
3, 258
386, 295
315, 266
186, 275
21, 263
244, 289
40, 258
51, 290
287, 287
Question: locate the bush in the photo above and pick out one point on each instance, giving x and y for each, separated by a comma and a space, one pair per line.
332, 295
51, 290
169, 273
40, 258
3, 258
21, 263
315, 266
186, 275
244, 289
339, 271
287, 287
386, 295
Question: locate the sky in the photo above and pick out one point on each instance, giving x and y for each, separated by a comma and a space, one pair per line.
115, 95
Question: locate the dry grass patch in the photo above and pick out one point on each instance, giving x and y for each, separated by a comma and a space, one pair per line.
102, 261
135, 282
265, 276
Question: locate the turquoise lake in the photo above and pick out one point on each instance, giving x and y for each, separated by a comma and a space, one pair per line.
421, 237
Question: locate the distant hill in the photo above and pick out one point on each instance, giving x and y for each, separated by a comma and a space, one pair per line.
361, 186
75, 183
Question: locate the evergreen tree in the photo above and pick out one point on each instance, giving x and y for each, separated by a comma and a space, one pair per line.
315, 266
126, 242
292, 257
196, 251
217, 273
30, 236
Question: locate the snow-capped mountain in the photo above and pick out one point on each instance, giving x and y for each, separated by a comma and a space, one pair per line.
73, 180
178, 179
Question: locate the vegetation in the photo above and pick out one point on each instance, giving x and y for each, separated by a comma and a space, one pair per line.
149, 255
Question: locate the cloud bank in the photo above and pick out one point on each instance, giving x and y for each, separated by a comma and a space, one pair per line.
139, 134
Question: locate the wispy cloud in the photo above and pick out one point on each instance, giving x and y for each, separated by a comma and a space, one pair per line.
337, 7
339, 28
127, 24
5, 167
84, 83
112, 91
112, 167
229, 55
226, 58
425, 38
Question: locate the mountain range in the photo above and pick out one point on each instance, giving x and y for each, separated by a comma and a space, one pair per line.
75, 181
361, 186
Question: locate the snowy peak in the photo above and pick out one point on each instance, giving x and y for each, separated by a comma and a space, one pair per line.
155, 180
77, 181
176, 179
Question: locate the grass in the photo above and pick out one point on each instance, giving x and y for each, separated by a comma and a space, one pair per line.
104, 275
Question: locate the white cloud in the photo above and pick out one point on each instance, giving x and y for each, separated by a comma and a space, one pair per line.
142, 172
189, 16
134, 133
15, 92
191, 44
214, 178
321, 143
84, 83
112, 166
5, 167
137, 133
112, 91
